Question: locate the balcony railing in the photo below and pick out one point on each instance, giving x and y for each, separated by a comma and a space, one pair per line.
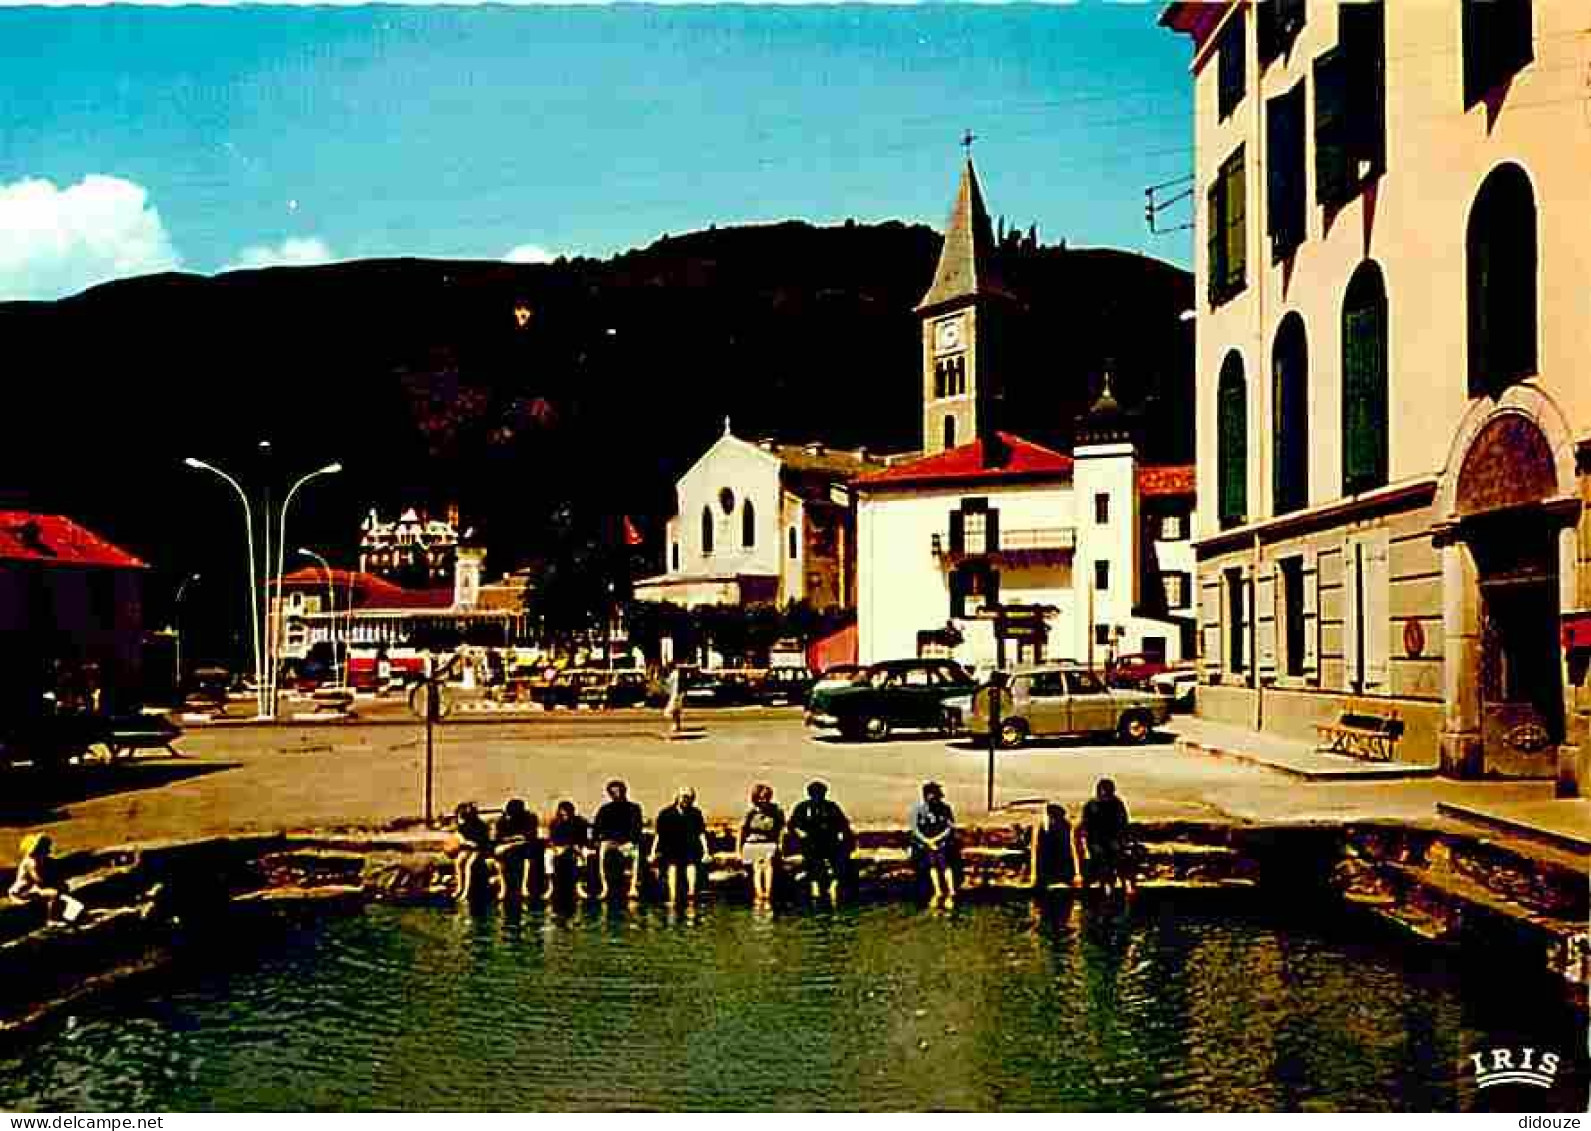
1030, 540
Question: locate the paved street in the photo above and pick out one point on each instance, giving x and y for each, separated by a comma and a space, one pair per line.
315, 776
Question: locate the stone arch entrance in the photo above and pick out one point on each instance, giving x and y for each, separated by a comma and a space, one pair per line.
1507, 519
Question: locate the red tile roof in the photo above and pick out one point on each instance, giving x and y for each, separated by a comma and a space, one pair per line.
966, 464
1159, 482
370, 591
52, 539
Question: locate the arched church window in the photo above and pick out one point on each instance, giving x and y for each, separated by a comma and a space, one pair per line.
707, 530
950, 432
748, 525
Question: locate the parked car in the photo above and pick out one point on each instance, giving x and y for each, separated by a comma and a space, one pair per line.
1181, 684
722, 687
1051, 701
621, 689
785, 685
838, 675
1135, 670
893, 695
568, 687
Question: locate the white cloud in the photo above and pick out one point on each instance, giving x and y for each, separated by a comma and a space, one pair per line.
528, 253
295, 251
55, 242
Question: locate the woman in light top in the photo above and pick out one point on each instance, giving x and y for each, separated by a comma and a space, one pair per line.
759, 841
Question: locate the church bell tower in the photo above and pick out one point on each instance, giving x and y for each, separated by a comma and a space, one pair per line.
962, 317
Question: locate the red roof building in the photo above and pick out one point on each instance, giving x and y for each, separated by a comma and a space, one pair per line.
1015, 460
52, 539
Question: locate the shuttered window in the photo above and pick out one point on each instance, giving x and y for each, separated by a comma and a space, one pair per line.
1286, 203
1333, 184
1226, 231
1290, 404
1232, 443
1364, 382
1361, 34
1231, 79
1500, 263
1276, 24
1497, 44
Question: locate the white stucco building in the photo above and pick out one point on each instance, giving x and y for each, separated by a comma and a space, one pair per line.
994, 549
762, 522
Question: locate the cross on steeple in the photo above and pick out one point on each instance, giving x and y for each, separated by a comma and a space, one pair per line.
967, 138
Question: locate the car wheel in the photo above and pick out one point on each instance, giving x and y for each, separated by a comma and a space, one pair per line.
1013, 733
851, 732
1134, 728
876, 729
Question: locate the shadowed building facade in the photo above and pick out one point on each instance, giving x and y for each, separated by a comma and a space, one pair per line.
1394, 414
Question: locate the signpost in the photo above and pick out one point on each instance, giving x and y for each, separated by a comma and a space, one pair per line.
430, 692
992, 699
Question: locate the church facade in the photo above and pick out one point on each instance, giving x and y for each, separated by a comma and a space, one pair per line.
995, 550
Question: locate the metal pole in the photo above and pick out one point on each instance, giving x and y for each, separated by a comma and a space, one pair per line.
269, 710
430, 725
254, 584
177, 625
994, 735
281, 560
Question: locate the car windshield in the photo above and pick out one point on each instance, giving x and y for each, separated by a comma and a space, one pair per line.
1084, 683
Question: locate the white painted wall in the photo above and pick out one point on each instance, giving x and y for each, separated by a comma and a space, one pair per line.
1108, 469
749, 473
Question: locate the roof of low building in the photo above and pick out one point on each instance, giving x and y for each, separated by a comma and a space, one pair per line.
369, 591
1160, 482
969, 463
53, 539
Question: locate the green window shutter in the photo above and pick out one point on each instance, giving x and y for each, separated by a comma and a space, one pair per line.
991, 531
1236, 224
1479, 270
1285, 192
1231, 65
958, 536
1215, 241
1333, 178
958, 595
1362, 34
1364, 400
1232, 449
1476, 47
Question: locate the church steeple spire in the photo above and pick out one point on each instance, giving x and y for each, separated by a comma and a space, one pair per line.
966, 268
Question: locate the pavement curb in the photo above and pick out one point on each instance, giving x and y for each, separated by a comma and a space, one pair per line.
1394, 771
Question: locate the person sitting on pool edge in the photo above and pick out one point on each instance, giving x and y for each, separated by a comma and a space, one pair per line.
826, 841
471, 846
514, 844
1053, 863
1102, 841
679, 845
38, 880
568, 841
618, 828
933, 838
758, 842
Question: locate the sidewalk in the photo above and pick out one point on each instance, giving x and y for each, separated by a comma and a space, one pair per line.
1293, 757
1562, 823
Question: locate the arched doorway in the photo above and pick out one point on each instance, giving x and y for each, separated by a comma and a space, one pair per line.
1506, 475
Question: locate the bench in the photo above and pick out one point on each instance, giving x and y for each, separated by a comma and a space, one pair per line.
128, 734
1365, 734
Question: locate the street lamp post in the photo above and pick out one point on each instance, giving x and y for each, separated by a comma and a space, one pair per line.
176, 618
254, 584
331, 609
281, 564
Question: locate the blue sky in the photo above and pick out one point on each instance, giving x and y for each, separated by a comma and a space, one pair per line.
142, 139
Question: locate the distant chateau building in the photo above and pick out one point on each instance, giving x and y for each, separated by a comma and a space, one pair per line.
762, 522
413, 550
993, 549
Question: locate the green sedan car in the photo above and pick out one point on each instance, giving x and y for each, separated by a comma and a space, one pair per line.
1054, 701
893, 695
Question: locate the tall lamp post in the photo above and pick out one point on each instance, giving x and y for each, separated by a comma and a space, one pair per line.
254, 584
331, 609
176, 618
273, 633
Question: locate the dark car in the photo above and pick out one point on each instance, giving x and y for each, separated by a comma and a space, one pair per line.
620, 689
785, 685
722, 687
1135, 671
894, 695
568, 688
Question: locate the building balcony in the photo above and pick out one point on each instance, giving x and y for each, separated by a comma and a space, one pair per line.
1042, 543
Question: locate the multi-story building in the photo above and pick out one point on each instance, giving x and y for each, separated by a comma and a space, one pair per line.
413, 550
1394, 419
994, 549
762, 523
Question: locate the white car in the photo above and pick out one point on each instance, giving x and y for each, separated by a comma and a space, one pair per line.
1180, 685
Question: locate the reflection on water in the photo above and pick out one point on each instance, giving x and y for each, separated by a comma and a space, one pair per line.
883, 1007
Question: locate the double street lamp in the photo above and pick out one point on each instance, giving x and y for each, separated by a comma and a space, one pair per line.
331, 612
265, 657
